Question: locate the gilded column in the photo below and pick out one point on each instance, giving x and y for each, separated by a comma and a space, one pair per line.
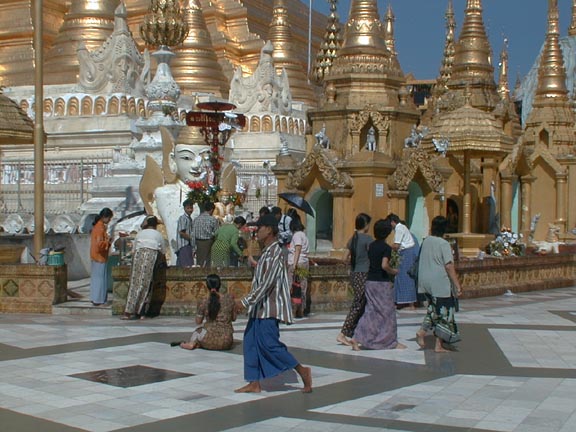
526, 213
506, 201
466, 200
561, 179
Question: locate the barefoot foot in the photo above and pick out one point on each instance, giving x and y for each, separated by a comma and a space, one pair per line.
355, 345
252, 387
400, 346
306, 375
188, 346
439, 348
343, 340
420, 338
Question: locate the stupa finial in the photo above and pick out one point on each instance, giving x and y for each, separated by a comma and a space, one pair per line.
448, 57
330, 45
551, 71
472, 51
503, 86
572, 28
389, 39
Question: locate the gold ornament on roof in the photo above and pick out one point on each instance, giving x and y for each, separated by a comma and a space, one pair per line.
572, 28
165, 23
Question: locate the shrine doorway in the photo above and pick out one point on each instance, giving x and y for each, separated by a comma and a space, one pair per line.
319, 229
417, 216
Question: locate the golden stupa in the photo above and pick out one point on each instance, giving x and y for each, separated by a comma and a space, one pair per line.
369, 147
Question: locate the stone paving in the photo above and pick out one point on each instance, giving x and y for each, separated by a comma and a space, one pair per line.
515, 370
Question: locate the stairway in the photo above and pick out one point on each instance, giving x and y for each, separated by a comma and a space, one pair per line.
79, 302
81, 307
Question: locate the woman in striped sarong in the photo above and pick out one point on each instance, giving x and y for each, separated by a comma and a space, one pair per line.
148, 249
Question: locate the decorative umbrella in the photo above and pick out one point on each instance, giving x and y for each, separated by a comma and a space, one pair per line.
297, 201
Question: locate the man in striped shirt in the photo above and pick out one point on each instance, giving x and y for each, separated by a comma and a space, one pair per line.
268, 303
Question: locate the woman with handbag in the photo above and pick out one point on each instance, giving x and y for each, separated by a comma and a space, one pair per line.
437, 279
357, 256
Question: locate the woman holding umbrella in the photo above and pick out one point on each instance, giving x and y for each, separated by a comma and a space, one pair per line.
298, 262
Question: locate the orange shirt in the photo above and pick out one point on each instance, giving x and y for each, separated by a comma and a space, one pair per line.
99, 243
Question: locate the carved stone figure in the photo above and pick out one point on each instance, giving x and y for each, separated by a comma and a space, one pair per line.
441, 145
371, 139
264, 91
164, 189
118, 66
415, 137
322, 139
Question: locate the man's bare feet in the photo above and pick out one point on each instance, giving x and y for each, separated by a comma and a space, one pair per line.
341, 339
400, 346
420, 338
251, 387
306, 375
439, 348
355, 345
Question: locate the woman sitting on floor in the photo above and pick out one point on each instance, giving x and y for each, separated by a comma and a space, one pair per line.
217, 312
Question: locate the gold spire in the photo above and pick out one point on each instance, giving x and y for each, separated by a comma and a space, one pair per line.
330, 45
363, 31
389, 31
88, 21
472, 51
472, 63
280, 35
572, 28
364, 57
503, 89
448, 58
196, 65
551, 104
551, 72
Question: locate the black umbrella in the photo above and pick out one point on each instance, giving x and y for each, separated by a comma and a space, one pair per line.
297, 201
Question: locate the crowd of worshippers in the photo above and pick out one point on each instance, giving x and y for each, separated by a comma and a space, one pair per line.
206, 242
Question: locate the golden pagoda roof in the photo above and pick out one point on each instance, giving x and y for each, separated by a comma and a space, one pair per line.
196, 66
471, 129
364, 47
88, 21
15, 126
284, 56
16, 42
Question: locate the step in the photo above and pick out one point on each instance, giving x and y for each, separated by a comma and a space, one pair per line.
81, 307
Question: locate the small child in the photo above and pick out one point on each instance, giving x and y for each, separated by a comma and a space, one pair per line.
184, 238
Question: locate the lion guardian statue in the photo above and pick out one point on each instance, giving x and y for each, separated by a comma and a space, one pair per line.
552, 242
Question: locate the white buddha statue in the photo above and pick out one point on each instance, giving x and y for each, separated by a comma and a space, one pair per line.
163, 190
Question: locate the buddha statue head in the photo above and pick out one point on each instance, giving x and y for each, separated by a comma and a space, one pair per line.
187, 158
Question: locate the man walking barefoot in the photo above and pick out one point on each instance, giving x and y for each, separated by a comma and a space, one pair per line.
268, 303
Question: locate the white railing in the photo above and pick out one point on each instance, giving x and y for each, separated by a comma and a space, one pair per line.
67, 184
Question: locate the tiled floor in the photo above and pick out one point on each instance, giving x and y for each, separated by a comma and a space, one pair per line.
515, 370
